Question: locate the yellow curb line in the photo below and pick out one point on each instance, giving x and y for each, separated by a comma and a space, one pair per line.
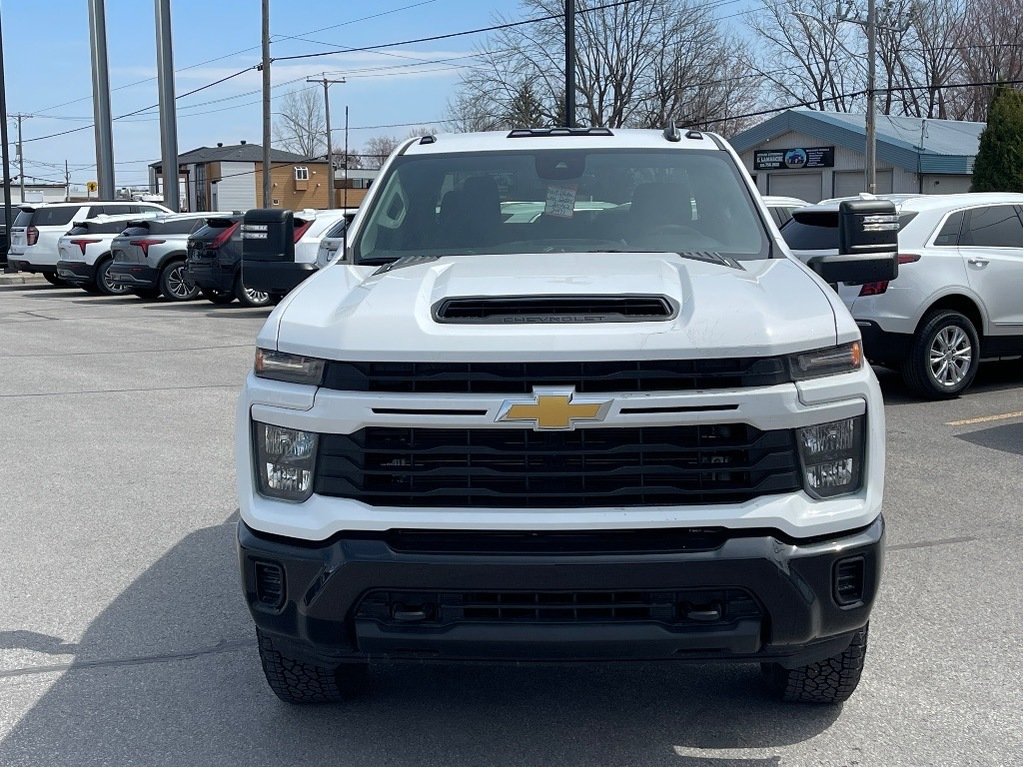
983, 419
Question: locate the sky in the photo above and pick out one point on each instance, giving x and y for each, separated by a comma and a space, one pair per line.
47, 71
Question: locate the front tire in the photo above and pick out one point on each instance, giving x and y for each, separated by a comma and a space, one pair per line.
297, 682
247, 297
944, 357
830, 681
175, 284
52, 279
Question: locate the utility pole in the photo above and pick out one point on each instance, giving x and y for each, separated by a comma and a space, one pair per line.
168, 117
871, 25
6, 149
101, 100
570, 63
21, 157
67, 182
344, 193
330, 151
265, 66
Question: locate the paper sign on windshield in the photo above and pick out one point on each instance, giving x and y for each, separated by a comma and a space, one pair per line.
560, 201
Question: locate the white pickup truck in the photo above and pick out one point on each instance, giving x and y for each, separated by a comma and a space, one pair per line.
632, 426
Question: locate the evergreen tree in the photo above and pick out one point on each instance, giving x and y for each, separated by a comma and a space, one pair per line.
997, 168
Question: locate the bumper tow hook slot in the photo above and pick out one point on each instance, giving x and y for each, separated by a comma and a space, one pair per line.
712, 613
409, 614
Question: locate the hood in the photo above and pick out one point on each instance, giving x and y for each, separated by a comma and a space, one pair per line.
766, 307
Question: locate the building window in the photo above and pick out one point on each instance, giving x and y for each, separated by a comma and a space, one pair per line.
301, 173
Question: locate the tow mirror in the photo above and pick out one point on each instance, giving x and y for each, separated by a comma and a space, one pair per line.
868, 244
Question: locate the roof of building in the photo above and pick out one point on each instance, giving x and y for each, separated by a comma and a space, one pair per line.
913, 143
234, 153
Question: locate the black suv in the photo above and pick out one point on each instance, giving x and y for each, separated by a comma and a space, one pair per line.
215, 262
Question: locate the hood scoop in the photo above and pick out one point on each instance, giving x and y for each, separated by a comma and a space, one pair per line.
500, 310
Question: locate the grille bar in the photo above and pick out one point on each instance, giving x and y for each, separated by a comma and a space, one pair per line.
686, 464
514, 378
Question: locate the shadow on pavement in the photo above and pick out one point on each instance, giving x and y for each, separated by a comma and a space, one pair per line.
1006, 437
992, 377
169, 674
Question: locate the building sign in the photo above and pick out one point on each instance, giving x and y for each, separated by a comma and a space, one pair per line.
797, 157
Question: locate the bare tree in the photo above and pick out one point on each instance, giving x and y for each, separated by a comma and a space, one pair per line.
301, 125
807, 55
377, 150
639, 64
990, 51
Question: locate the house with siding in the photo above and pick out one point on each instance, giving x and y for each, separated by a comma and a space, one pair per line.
230, 177
815, 155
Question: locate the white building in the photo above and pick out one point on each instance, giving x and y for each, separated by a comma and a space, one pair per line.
816, 155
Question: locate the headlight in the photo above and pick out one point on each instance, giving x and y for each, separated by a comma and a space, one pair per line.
285, 460
284, 367
833, 456
845, 358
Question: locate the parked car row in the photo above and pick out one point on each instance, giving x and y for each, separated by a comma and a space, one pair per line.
145, 249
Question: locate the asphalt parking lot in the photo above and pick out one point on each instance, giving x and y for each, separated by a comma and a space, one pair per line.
124, 638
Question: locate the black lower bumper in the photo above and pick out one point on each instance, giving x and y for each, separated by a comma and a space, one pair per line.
882, 346
211, 275
475, 595
275, 277
19, 265
76, 272
133, 275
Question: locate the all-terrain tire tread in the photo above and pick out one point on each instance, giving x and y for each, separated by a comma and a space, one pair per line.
297, 682
830, 681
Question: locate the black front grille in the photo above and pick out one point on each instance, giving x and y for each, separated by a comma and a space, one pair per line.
553, 309
694, 464
515, 378
674, 608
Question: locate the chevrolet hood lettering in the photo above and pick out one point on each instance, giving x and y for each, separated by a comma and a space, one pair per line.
553, 408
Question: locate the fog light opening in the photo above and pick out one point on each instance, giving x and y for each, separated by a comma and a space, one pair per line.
848, 581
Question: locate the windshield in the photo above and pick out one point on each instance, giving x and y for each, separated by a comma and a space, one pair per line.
550, 201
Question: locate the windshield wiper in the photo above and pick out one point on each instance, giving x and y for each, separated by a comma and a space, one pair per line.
713, 257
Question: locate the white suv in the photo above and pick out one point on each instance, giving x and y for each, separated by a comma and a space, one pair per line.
957, 299
37, 229
84, 253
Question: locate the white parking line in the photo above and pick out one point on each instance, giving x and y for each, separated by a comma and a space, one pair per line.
983, 419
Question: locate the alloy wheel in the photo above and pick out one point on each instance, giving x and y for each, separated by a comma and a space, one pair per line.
178, 284
950, 355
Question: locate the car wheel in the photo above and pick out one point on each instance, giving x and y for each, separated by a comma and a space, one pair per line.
830, 681
52, 279
105, 284
248, 297
299, 682
944, 357
217, 297
175, 284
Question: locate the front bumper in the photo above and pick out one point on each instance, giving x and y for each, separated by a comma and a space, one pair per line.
274, 277
133, 275
76, 272
735, 595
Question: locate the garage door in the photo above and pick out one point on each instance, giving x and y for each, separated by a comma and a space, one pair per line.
806, 186
850, 183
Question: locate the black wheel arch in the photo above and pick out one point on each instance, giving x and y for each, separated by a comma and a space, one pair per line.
168, 258
957, 302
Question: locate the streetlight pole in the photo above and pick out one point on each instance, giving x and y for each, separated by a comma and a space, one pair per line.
6, 149
330, 150
168, 118
101, 100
